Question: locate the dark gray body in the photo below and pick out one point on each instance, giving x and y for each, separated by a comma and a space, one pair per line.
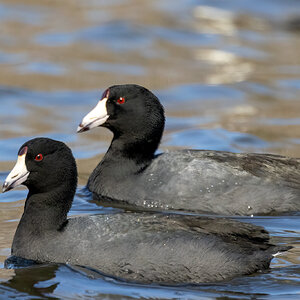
140, 247
153, 248
203, 181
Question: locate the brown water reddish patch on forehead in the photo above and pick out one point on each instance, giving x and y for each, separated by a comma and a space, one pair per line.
23, 151
105, 94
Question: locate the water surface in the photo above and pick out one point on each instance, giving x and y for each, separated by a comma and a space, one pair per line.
227, 72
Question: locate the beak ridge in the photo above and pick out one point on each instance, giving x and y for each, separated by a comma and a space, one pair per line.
95, 117
18, 174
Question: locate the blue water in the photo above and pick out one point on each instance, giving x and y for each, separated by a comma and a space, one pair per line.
227, 73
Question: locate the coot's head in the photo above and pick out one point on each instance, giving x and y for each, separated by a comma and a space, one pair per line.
129, 110
43, 165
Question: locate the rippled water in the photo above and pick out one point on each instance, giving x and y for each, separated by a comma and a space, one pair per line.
227, 72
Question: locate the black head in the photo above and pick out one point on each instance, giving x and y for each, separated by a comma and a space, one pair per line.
43, 165
129, 110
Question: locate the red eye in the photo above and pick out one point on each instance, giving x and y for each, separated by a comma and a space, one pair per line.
121, 100
39, 157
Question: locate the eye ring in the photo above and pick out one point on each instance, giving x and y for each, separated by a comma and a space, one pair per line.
121, 100
39, 157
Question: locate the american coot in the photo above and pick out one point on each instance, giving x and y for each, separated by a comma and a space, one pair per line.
191, 180
138, 247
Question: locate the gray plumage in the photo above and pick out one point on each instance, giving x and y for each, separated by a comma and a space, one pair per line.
168, 249
189, 180
140, 247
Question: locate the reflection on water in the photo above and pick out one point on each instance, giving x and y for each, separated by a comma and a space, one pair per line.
228, 74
